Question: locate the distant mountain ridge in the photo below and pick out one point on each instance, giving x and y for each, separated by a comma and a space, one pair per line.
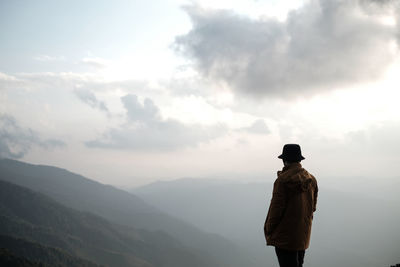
121, 207
348, 230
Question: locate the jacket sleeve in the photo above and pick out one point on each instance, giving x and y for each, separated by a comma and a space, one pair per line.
315, 196
276, 208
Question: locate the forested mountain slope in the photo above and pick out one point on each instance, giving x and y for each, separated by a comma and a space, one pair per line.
21, 252
32, 216
121, 207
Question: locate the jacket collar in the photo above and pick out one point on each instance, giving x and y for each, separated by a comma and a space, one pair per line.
291, 166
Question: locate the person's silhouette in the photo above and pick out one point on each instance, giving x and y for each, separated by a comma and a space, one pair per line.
294, 198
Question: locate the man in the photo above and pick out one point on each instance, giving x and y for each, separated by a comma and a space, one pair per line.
294, 198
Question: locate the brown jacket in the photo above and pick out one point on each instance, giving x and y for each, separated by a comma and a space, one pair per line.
290, 214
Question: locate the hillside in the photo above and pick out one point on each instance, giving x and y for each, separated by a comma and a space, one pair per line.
21, 252
33, 216
10, 260
121, 207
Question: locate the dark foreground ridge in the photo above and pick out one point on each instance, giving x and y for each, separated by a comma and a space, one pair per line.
96, 222
7, 258
37, 228
21, 252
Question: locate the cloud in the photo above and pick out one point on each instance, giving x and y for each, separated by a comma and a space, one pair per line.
46, 58
258, 127
95, 62
136, 112
324, 44
16, 141
8, 82
383, 5
390, 9
369, 151
6, 77
380, 140
89, 98
146, 130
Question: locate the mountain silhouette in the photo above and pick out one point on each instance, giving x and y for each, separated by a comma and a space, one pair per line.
122, 208
29, 215
23, 252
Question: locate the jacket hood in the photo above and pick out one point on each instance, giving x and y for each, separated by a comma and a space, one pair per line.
296, 178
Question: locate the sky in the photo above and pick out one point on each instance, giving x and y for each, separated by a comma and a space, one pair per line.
130, 92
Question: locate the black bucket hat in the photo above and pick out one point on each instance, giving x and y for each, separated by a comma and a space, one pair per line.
291, 153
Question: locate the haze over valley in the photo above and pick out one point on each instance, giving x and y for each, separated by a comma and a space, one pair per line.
147, 132
201, 222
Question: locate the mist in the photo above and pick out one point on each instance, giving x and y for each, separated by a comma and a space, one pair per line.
146, 133
352, 226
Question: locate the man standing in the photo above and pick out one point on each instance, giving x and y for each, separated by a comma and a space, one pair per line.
294, 198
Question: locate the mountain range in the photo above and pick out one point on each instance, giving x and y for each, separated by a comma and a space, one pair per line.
112, 225
53, 217
349, 228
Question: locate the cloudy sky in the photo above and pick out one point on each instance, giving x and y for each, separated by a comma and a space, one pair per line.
129, 92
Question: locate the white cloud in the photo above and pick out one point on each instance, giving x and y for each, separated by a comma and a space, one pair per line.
369, 152
323, 45
16, 141
257, 127
146, 130
95, 62
255, 8
90, 98
46, 58
6, 77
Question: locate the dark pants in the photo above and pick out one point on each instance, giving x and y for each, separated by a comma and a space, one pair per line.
289, 258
